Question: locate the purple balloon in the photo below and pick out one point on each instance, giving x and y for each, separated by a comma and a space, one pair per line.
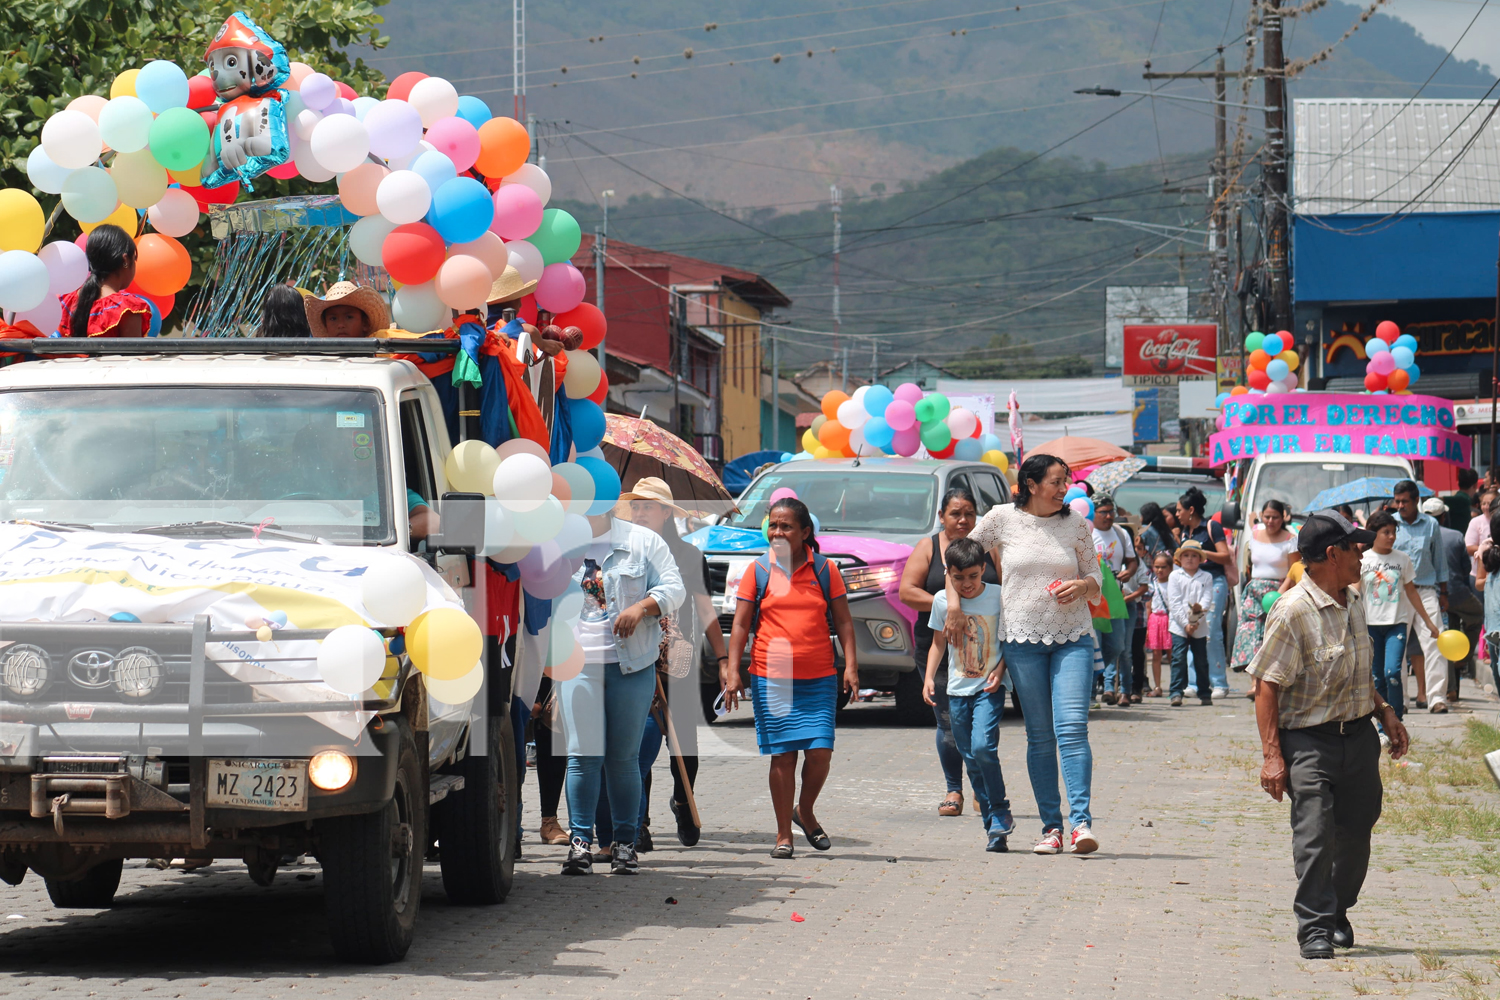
906, 442
541, 562
910, 393
553, 584
318, 91
395, 129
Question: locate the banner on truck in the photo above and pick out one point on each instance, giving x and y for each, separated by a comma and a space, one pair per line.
1413, 427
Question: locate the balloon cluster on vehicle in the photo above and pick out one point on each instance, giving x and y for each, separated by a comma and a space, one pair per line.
1391, 361
1391, 364
878, 420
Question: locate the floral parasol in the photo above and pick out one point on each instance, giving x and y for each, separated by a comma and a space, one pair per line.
638, 448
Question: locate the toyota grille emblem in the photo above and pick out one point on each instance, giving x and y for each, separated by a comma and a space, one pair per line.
92, 668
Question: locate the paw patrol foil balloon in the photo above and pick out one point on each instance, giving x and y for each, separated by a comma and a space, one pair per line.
247, 68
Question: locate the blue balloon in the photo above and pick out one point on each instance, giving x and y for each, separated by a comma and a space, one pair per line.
462, 210
967, 450
397, 645
1374, 346
989, 442
877, 398
473, 110
1406, 340
588, 423
1413, 373
786, 456
1074, 493
878, 432
162, 85
1272, 345
435, 168
606, 483
155, 328
1221, 399
817, 525
1277, 369
123, 616
1404, 356
802, 456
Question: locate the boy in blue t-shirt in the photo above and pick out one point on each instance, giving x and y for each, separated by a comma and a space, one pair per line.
976, 683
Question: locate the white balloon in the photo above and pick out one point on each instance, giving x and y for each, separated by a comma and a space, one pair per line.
526, 259
575, 536
306, 121
499, 532
533, 177
125, 124
47, 176
852, 414
523, 482
542, 523
418, 309
395, 594
1277, 387
45, 317
89, 194
456, 692
295, 105
175, 215
307, 164
67, 266
71, 139
403, 196
340, 142
367, 237
569, 606
434, 98
857, 442
351, 659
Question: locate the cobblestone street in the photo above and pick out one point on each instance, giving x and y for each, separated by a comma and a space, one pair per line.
1189, 896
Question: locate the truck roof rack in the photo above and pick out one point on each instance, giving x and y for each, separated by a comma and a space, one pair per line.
349, 347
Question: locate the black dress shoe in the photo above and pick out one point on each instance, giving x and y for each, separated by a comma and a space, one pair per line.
687, 833
643, 843
1343, 933
1317, 948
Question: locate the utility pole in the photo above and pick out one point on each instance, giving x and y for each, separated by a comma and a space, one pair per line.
775, 391
601, 245
1277, 257
838, 234
518, 60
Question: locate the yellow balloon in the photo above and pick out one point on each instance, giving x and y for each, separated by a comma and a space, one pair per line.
993, 457
1004, 462
444, 643
123, 216
139, 179
821, 452
124, 85
21, 221
1297, 570
471, 468
1291, 358
810, 442
190, 178
1453, 644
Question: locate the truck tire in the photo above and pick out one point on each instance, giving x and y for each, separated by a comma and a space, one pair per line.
477, 825
911, 710
707, 695
93, 890
372, 867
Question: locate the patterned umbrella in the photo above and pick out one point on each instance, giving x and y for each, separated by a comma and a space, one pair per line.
1360, 491
638, 448
1108, 477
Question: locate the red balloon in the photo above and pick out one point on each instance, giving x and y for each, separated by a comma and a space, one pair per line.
201, 93
285, 172
412, 253
224, 194
526, 310
211, 119
597, 396
1259, 359
1258, 378
400, 88
978, 430
1375, 382
163, 303
946, 452
1387, 331
587, 318
344, 90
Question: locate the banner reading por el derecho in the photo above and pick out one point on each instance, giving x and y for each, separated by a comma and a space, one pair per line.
1414, 427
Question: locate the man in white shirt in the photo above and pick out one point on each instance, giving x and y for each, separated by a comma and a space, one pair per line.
1113, 545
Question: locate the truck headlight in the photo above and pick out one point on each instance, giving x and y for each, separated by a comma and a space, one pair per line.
25, 670
138, 672
330, 770
868, 579
888, 635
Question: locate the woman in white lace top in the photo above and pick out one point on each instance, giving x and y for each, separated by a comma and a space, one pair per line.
1049, 573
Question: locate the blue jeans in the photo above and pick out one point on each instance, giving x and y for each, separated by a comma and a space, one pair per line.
605, 709
1055, 683
1218, 664
1387, 648
1114, 647
976, 730
1181, 646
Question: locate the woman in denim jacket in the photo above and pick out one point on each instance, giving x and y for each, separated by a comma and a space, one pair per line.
629, 580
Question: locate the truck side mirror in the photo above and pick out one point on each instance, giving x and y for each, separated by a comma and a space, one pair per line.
462, 516
1229, 516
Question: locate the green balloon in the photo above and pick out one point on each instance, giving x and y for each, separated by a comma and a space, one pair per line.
940, 406
558, 237
936, 436
1268, 600
1253, 341
924, 409
178, 138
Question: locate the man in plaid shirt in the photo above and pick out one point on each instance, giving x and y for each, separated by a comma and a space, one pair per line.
1315, 707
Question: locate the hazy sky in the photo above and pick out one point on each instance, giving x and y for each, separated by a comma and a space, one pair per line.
1441, 22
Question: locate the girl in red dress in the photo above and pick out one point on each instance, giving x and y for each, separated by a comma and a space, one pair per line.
103, 307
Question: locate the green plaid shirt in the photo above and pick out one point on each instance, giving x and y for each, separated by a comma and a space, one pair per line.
1318, 652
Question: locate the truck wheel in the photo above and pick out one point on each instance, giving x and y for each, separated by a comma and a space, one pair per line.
94, 889
708, 694
372, 867
911, 710
477, 825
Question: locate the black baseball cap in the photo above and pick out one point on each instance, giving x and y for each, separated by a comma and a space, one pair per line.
1327, 528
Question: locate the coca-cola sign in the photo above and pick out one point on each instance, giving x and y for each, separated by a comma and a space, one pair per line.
1163, 354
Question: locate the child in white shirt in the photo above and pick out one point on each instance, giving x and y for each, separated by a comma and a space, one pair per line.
1190, 597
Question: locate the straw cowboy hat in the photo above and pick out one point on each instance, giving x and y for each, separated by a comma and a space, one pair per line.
1191, 545
347, 293
649, 488
508, 287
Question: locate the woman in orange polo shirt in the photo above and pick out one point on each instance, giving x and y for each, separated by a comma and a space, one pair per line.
793, 672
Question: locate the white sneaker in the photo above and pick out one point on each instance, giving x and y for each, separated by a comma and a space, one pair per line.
1084, 841
1190, 692
1221, 692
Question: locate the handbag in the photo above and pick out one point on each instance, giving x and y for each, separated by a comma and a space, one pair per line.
675, 658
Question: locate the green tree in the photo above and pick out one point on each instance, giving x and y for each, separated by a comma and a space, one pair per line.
1009, 358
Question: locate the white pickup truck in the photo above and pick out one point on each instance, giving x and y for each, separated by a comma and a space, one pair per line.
123, 737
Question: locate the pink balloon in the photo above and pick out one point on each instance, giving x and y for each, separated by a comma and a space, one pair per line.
45, 317
463, 282
785, 491
1080, 506
561, 287
1382, 363
455, 139
518, 212
905, 443
81, 241
910, 393
900, 414
357, 188
489, 248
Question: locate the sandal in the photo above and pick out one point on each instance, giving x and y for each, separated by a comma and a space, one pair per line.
1156, 692
817, 838
782, 852
953, 805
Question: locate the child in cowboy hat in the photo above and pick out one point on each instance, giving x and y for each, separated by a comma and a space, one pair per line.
347, 310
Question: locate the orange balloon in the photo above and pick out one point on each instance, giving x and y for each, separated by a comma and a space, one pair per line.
561, 489
832, 399
1239, 390
1397, 380
357, 188
834, 436
503, 146
1259, 359
162, 265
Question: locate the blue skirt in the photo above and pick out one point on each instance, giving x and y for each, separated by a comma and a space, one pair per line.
792, 715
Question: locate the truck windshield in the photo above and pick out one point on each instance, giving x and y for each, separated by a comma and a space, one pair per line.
852, 502
1296, 483
308, 459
